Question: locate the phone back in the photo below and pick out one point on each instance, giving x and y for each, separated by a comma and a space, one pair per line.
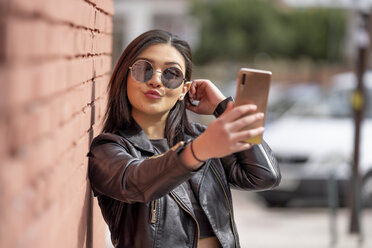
253, 88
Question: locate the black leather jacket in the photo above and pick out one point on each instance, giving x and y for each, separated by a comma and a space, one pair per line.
145, 205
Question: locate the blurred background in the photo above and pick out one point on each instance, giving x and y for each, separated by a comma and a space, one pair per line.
56, 59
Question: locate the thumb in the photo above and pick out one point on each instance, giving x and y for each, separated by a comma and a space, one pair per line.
229, 107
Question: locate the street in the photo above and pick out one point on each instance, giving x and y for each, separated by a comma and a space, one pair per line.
294, 227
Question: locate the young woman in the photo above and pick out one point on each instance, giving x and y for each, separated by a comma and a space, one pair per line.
160, 180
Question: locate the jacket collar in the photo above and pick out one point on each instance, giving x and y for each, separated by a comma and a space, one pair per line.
137, 137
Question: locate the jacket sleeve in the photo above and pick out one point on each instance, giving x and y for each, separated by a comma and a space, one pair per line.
115, 172
255, 168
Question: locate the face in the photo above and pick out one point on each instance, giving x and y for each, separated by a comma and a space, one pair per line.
152, 98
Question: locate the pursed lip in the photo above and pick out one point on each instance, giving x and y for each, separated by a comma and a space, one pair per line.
153, 94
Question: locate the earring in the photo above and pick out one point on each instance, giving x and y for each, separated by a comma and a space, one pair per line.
181, 97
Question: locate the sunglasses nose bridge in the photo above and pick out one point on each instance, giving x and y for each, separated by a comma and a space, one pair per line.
155, 80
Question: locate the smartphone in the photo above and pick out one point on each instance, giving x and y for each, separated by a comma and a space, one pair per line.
253, 88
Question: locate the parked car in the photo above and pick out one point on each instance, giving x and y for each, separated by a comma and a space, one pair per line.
314, 141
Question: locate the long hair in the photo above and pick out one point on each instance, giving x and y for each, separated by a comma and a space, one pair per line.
118, 114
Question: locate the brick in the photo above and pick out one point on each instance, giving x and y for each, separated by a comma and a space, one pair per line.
79, 13
61, 40
13, 209
43, 187
70, 205
101, 84
83, 42
70, 169
3, 135
85, 16
22, 82
79, 70
45, 41
42, 118
4, 85
27, 125
102, 44
3, 28
109, 24
66, 134
36, 81
103, 22
102, 65
100, 110
19, 30
107, 6
45, 152
36, 6
73, 101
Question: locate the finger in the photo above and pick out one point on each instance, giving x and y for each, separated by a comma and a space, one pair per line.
199, 91
192, 91
243, 135
241, 146
200, 81
239, 111
191, 107
245, 121
229, 107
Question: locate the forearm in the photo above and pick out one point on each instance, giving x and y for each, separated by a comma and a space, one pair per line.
117, 172
194, 158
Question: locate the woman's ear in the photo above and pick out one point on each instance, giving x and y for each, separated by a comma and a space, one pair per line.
185, 89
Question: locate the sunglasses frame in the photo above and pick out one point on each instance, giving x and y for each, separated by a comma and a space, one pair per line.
162, 74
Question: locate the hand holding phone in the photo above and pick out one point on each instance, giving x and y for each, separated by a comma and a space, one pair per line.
253, 88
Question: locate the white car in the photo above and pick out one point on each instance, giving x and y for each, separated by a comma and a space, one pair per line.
314, 141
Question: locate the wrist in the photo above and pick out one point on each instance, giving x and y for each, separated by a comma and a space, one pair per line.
187, 157
199, 148
222, 105
194, 155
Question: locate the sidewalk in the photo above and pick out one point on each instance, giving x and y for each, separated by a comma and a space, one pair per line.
261, 227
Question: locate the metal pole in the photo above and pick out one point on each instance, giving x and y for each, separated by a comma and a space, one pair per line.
357, 101
333, 203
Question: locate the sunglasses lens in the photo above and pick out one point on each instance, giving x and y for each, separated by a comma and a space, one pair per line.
172, 77
142, 71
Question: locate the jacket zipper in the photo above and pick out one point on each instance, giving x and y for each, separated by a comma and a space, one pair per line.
153, 212
187, 211
228, 204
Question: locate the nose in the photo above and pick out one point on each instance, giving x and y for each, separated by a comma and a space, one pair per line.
155, 81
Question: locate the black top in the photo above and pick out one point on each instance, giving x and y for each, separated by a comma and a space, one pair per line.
161, 146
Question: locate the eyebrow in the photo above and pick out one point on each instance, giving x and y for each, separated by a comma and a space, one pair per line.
166, 63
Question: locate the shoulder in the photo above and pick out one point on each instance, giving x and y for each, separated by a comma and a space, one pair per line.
105, 138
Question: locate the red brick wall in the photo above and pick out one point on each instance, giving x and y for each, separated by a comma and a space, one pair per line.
55, 63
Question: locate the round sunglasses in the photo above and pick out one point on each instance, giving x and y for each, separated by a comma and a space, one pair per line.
143, 71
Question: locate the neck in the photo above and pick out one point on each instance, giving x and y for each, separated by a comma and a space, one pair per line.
152, 125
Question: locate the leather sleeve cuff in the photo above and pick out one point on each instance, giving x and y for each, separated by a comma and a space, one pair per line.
180, 145
221, 107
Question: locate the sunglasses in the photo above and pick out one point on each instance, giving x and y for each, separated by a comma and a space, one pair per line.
143, 71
